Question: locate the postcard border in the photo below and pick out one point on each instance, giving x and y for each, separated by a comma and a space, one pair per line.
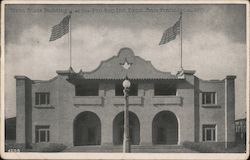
25, 155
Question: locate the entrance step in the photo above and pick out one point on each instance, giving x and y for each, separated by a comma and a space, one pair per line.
134, 149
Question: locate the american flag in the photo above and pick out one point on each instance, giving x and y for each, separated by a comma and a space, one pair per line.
60, 29
170, 33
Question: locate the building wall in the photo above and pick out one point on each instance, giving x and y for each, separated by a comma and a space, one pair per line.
230, 108
222, 114
65, 106
197, 108
47, 115
240, 131
20, 109
63, 111
24, 110
213, 114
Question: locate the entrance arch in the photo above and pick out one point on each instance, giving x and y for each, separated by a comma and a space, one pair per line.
165, 128
118, 128
87, 129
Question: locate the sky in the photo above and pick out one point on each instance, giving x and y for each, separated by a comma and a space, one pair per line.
213, 40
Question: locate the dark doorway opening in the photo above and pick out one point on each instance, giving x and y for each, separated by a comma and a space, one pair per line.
165, 128
118, 128
87, 129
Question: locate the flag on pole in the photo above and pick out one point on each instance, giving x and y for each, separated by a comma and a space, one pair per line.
170, 33
60, 29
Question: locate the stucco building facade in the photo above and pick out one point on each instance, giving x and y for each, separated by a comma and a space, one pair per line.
86, 108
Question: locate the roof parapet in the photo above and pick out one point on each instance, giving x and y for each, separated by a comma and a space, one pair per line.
21, 77
231, 77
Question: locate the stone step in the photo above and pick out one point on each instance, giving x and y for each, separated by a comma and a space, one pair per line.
134, 148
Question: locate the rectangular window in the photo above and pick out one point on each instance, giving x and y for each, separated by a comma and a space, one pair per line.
164, 90
133, 90
42, 134
48, 135
209, 133
42, 98
87, 89
208, 98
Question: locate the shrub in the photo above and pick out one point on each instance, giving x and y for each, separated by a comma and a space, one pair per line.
51, 147
38, 147
14, 147
212, 147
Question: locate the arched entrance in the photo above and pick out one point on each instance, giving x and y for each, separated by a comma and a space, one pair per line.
118, 128
165, 128
87, 129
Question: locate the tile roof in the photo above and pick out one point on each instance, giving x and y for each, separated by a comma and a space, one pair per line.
125, 64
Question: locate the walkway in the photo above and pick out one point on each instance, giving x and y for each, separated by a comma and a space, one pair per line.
134, 149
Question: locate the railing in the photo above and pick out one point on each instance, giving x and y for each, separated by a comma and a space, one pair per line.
88, 100
166, 100
132, 100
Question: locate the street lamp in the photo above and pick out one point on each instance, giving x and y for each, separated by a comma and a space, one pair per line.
126, 144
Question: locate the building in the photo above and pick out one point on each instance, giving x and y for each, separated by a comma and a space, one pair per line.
10, 129
86, 108
240, 130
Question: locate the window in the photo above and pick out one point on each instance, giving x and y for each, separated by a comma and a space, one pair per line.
208, 98
42, 134
164, 90
209, 132
133, 90
87, 89
42, 98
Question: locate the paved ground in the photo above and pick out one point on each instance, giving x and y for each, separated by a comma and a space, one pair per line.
134, 149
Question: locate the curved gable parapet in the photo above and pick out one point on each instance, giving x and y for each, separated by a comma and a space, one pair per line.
126, 53
126, 64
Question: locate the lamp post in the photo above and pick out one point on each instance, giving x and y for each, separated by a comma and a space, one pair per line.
126, 144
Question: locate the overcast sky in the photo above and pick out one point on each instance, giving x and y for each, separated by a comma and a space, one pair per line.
214, 41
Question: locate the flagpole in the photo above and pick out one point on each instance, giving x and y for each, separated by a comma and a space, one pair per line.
181, 37
70, 55
59, 30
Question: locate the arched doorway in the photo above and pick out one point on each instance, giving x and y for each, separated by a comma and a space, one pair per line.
165, 128
87, 129
118, 128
